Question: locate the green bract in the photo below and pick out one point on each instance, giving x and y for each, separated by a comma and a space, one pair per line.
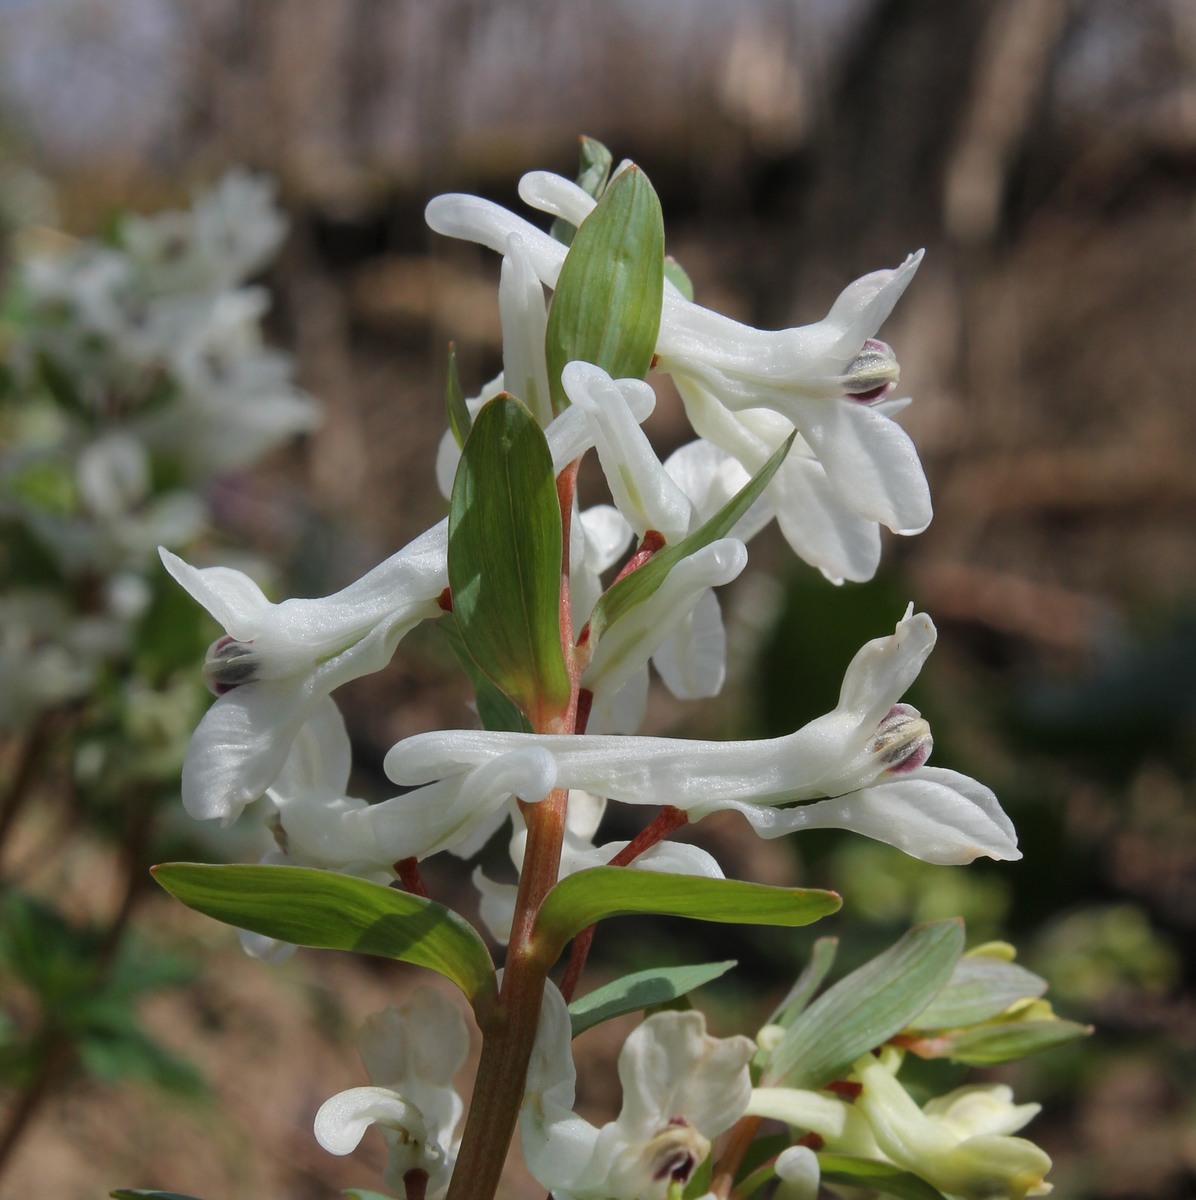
606, 306
504, 558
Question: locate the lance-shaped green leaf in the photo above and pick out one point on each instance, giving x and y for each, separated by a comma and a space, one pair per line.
336, 912
641, 989
606, 307
454, 400
580, 900
504, 558
822, 958
592, 177
870, 1174
867, 1007
147, 1194
1002, 1041
979, 988
636, 586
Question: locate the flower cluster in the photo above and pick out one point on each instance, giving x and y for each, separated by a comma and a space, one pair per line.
796, 425
135, 375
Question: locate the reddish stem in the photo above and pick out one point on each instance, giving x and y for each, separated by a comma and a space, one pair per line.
743, 1133
407, 869
667, 821
651, 542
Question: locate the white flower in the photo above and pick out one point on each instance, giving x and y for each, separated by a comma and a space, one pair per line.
278, 661
824, 379
578, 852
867, 756
960, 1147
230, 231
680, 627
411, 1055
681, 1089
958, 1142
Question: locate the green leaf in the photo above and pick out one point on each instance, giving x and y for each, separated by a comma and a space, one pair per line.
496, 708
360, 1194
867, 1007
984, 1045
606, 307
979, 988
454, 400
879, 1176
634, 588
592, 177
641, 989
504, 558
336, 912
147, 1194
822, 958
674, 272
591, 895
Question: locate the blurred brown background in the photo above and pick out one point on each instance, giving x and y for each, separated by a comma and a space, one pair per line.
1043, 152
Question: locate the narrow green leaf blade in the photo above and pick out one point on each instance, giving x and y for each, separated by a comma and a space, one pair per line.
849, 1171
147, 1194
822, 958
985, 1045
979, 988
591, 895
635, 587
867, 1007
592, 177
336, 912
454, 400
504, 557
606, 307
641, 989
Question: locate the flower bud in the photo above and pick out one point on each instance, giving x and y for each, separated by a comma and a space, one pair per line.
902, 741
228, 664
873, 373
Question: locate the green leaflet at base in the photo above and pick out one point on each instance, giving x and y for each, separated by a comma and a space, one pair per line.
641, 989
336, 912
867, 1007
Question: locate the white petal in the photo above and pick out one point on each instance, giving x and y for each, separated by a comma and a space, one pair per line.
557, 1145
671, 1067
230, 596
642, 490
930, 818
864, 305
870, 461
883, 669
477, 220
819, 527
342, 1119
799, 1173
320, 759
692, 661
524, 322
629, 642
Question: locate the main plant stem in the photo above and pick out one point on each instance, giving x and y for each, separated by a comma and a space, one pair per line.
509, 1033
